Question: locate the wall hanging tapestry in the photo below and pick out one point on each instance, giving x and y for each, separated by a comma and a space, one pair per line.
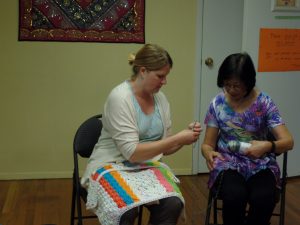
82, 20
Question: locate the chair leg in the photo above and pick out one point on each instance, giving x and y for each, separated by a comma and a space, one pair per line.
79, 212
208, 209
215, 209
140, 215
73, 204
282, 207
283, 189
77, 198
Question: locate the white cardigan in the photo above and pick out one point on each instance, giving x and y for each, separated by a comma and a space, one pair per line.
120, 134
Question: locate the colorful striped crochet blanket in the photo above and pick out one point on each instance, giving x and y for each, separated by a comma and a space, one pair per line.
115, 188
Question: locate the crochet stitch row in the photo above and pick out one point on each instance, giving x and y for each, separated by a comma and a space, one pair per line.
121, 193
116, 187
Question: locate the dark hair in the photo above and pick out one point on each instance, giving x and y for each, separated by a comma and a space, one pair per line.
150, 56
240, 66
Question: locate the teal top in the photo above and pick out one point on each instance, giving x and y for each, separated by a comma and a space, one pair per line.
150, 126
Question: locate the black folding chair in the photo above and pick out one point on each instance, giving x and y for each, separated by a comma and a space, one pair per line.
214, 197
85, 139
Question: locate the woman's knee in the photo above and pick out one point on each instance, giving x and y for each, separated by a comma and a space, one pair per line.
129, 217
166, 212
263, 190
172, 205
233, 187
263, 198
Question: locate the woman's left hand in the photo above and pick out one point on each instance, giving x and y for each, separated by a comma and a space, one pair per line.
195, 126
257, 149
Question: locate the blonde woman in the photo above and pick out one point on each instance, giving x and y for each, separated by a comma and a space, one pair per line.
136, 134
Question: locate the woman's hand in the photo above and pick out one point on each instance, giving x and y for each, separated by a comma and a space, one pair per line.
188, 136
195, 126
209, 145
283, 142
258, 149
209, 156
184, 137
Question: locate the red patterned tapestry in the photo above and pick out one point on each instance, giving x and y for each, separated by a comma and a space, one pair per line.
119, 21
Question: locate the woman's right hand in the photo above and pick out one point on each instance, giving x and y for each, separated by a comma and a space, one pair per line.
209, 156
208, 147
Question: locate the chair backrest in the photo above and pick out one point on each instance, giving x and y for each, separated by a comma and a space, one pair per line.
87, 136
283, 176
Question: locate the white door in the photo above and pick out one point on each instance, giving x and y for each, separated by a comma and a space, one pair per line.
219, 36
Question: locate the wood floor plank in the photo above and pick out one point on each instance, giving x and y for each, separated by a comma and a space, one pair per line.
10, 200
38, 202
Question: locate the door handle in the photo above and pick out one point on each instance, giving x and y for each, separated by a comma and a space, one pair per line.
209, 62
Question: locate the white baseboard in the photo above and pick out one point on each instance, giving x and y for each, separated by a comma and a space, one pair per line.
35, 175
182, 171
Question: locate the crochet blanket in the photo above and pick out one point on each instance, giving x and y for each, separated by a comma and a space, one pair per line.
115, 188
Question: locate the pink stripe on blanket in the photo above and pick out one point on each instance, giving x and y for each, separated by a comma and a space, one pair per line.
163, 181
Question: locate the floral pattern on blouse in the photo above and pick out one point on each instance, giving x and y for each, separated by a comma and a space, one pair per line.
252, 124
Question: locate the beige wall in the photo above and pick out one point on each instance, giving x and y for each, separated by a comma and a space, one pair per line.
48, 88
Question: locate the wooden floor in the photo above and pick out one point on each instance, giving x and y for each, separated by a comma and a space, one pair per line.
38, 202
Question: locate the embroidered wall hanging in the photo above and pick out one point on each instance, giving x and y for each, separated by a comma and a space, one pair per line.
82, 20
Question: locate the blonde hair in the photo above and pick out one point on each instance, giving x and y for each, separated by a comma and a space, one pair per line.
131, 59
150, 56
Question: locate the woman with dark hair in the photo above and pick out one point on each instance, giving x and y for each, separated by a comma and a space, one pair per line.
238, 153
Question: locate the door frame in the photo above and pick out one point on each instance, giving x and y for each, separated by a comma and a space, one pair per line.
197, 84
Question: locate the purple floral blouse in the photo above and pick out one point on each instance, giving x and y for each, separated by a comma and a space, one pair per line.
252, 124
